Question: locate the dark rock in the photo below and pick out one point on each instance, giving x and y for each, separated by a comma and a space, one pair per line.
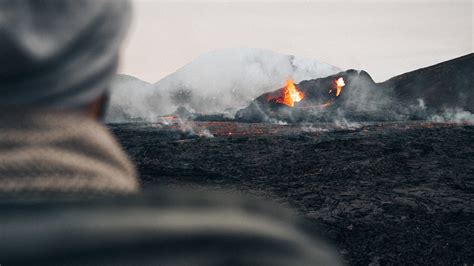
445, 85
395, 195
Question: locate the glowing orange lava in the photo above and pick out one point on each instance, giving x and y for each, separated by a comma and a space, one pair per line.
339, 84
290, 94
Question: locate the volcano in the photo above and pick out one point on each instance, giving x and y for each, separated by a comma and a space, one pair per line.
385, 193
355, 96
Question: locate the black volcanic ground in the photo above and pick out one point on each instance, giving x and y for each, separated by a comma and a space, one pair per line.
382, 192
385, 193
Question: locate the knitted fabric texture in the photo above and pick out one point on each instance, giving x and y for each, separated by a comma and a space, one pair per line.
61, 152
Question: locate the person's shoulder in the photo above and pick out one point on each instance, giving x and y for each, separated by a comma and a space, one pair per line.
159, 227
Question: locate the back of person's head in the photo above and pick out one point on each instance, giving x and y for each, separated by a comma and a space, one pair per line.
59, 53
57, 58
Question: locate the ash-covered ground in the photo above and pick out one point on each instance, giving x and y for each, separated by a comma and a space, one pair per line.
382, 193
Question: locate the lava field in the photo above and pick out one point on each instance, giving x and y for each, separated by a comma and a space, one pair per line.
381, 193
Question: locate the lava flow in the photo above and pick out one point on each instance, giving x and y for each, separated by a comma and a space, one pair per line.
339, 84
290, 94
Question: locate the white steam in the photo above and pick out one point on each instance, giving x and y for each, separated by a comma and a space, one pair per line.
421, 104
455, 115
216, 82
231, 78
129, 100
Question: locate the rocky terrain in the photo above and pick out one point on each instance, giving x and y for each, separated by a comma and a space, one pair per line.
382, 193
374, 167
415, 95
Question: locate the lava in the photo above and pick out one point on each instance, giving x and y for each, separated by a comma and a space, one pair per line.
290, 94
339, 84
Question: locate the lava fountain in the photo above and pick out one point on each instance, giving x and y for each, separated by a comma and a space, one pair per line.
290, 94
339, 84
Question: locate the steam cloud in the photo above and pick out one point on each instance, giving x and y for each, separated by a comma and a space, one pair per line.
222, 81
225, 81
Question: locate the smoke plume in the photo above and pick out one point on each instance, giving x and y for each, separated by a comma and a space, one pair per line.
222, 81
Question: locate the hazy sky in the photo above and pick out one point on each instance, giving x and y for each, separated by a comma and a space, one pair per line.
386, 38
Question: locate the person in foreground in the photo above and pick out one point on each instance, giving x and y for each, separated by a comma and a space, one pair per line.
69, 194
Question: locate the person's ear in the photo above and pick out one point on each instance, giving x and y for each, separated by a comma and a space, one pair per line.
98, 107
